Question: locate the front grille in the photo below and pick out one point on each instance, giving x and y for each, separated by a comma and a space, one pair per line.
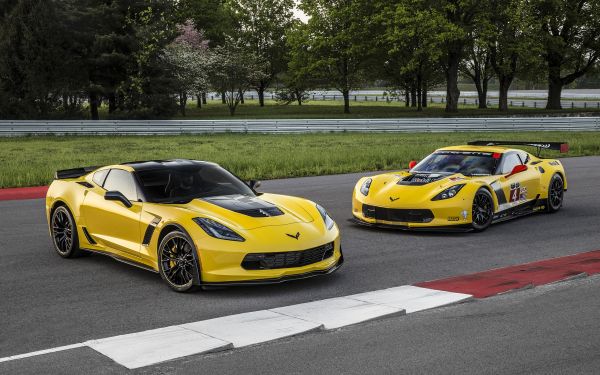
290, 259
400, 215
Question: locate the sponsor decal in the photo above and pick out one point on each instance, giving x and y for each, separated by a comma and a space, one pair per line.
453, 218
393, 199
517, 192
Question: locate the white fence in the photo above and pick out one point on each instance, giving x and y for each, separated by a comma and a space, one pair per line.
21, 128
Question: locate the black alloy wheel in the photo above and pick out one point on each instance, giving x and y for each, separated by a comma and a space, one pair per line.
483, 210
556, 193
177, 263
64, 233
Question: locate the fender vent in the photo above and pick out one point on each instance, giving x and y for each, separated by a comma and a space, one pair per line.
89, 238
150, 231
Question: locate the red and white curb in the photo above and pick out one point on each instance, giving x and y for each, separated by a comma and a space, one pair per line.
15, 194
235, 331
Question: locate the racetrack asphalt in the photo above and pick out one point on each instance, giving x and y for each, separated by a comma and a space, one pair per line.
48, 301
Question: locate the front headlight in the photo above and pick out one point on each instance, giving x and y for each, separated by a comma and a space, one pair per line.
326, 218
364, 189
448, 193
217, 230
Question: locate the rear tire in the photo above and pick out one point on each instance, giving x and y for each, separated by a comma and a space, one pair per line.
177, 263
64, 233
483, 210
556, 193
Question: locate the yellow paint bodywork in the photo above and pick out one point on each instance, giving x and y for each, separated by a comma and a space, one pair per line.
119, 231
450, 213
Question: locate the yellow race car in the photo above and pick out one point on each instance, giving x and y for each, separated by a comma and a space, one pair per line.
193, 222
463, 188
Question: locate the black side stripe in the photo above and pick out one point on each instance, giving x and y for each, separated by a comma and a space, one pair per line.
499, 192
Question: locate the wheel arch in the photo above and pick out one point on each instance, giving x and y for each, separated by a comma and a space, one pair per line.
172, 227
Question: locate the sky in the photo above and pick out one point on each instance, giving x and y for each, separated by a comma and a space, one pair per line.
300, 14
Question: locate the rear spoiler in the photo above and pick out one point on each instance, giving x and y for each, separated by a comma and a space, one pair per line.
73, 173
563, 147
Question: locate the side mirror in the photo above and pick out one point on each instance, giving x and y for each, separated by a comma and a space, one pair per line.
254, 184
119, 197
517, 169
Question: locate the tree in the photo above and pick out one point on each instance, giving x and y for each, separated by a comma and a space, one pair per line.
335, 37
188, 57
458, 19
413, 46
233, 71
260, 26
477, 65
570, 33
508, 32
298, 80
37, 66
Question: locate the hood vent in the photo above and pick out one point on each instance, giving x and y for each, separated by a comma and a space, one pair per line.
419, 179
249, 206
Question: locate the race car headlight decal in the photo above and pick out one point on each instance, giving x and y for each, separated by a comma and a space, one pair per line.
448, 193
217, 230
326, 218
364, 189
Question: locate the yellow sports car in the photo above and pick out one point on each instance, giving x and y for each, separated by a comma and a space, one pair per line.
193, 222
463, 188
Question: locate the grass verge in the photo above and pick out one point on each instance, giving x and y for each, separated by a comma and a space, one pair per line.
31, 161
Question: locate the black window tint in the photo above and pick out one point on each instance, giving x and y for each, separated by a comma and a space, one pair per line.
184, 183
510, 161
99, 177
467, 163
122, 181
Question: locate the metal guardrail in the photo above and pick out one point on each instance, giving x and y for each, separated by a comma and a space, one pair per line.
21, 128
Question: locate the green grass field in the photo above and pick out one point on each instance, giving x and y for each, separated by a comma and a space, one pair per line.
334, 109
31, 161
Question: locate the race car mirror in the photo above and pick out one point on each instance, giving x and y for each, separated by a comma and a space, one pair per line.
517, 169
117, 196
254, 184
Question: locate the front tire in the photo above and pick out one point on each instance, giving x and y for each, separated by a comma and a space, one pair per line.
483, 210
64, 233
177, 261
556, 193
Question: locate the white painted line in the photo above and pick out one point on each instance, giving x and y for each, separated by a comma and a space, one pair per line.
42, 352
253, 328
158, 345
338, 312
411, 298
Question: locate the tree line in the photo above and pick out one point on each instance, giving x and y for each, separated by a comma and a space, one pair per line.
144, 59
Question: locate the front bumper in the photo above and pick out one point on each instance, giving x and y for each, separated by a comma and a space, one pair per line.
450, 215
281, 279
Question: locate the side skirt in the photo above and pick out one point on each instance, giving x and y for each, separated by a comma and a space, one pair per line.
123, 260
524, 209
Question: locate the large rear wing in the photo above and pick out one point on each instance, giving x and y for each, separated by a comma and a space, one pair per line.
563, 147
73, 173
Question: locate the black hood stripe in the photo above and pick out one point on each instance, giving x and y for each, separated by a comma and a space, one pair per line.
249, 206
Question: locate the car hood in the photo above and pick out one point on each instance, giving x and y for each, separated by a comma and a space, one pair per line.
411, 187
247, 213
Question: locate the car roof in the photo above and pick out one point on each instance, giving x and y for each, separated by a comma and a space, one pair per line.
498, 149
163, 164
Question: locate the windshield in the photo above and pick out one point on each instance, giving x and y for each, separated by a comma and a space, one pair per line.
181, 184
450, 162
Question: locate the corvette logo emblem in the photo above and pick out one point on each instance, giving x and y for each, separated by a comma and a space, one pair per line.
297, 236
393, 199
